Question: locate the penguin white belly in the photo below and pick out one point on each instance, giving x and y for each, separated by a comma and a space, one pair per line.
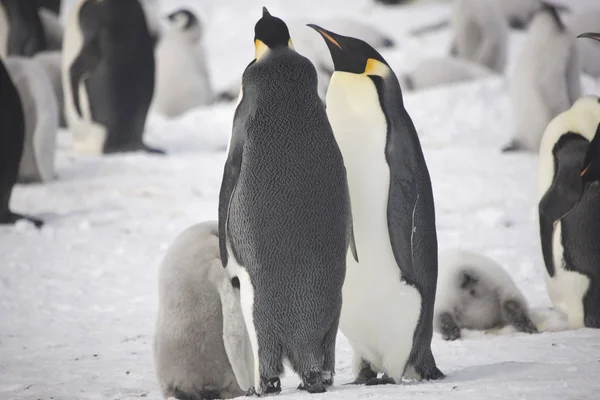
379, 312
566, 288
88, 136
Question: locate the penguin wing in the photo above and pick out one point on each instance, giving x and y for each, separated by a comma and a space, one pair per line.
564, 192
231, 174
90, 55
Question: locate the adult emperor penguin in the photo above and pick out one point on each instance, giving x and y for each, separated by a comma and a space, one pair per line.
569, 212
23, 35
393, 217
201, 347
545, 80
51, 62
40, 108
108, 72
475, 292
284, 214
182, 76
12, 126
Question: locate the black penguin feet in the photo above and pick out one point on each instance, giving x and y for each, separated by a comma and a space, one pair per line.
430, 372
517, 316
9, 218
269, 386
364, 376
152, 150
384, 380
312, 382
327, 378
449, 328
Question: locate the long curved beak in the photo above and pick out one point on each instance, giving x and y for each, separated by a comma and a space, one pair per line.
591, 35
327, 35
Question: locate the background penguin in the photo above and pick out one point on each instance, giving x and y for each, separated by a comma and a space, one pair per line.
51, 62
393, 218
475, 292
569, 214
25, 31
589, 51
53, 29
434, 72
40, 108
201, 347
519, 13
284, 214
480, 33
182, 76
108, 76
546, 79
12, 126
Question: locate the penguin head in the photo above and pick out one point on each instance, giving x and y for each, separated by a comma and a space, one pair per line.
183, 19
270, 33
552, 10
591, 35
353, 55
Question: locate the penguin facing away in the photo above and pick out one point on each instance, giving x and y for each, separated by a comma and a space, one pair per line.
182, 76
545, 81
108, 76
40, 108
480, 33
25, 31
12, 126
201, 347
475, 292
395, 259
569, 214
284, 215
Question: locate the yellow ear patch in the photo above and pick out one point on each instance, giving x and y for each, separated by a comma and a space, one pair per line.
260, 49
290, 44
584, 171
375, 67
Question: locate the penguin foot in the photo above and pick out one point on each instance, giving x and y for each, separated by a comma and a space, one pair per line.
10, 218
432, 373
312, 382
365, 375
518, 318
152, 150
268, 386
384, 380
449, 328
327, 378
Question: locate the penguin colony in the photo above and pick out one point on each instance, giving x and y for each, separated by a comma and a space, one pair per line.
352, 224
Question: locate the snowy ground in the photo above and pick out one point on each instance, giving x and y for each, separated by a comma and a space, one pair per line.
78, 298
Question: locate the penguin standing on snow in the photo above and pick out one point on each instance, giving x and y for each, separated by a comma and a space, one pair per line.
284, 214
201, 347
182, 76
393, 218
108, 75
569, 211
24, 33
546, 79
12, 126
475, 292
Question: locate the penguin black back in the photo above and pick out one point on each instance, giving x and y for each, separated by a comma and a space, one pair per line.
26, 35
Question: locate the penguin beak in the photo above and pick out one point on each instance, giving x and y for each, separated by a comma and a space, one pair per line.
327, 35
592, 35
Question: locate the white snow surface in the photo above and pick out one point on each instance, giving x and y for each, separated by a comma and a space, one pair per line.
78, 299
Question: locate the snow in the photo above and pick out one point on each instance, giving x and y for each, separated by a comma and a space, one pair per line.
78, 298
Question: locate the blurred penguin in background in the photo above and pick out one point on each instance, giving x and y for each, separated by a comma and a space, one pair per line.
182, 77
40, 110
546, 78
51, 62
519, 13
589, 51
480, 33
22, 33
53, 29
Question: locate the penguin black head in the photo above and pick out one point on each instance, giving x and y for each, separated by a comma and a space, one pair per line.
353, 55
184, 19
553, 10
591, 35
270, 33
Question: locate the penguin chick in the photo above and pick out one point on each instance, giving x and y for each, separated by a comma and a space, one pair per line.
545, 81
442, 71
201, 347
182, 76
475, 292
480, 33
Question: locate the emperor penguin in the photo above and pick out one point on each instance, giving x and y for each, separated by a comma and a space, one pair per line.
182, 76
23, 35
569, 212
394, 265
51, 62
545, 80
12, 126
108, 77
201, 347
40, 108
53, 29
519, 13
475, 292
589, 50
284, 224
480, 33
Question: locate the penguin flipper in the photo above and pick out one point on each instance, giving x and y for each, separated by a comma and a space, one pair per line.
565, 191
